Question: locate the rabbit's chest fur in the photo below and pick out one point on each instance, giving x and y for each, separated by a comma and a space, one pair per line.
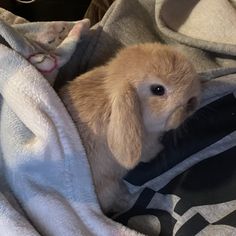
106, 171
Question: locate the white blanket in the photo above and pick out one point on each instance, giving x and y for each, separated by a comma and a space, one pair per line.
49, 189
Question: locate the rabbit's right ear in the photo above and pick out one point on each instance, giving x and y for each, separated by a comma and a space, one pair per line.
124, 135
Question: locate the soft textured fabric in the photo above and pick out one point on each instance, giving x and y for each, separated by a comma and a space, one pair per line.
42, 158
219, 16
191, 29
97, 10
49, 189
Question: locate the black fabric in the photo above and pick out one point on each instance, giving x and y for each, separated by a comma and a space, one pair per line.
228, 220
193, 226
211, 181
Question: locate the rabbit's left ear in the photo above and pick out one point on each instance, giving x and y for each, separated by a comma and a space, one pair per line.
124, 135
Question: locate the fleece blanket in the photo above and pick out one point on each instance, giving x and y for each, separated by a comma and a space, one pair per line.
46, 186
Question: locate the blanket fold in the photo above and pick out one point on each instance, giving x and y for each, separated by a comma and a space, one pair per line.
122, 26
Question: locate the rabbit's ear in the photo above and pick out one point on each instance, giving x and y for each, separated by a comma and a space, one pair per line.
124, 129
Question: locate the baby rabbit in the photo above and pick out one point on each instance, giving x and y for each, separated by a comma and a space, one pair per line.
122, 109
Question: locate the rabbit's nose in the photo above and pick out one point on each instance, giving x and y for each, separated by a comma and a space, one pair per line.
191, 104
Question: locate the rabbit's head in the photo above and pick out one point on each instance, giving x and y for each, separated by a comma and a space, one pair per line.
152, 89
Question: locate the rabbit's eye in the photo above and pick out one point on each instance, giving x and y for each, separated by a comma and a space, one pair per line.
157, 90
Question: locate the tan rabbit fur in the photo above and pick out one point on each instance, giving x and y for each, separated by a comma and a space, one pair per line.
119, 118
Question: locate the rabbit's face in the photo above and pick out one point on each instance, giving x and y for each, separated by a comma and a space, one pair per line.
166, 100
152, 89
166, 83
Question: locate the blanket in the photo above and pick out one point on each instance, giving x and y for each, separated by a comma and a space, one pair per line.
46, 185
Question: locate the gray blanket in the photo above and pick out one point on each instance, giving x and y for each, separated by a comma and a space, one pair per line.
204, 30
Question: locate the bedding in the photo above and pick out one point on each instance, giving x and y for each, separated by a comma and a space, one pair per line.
46, 186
